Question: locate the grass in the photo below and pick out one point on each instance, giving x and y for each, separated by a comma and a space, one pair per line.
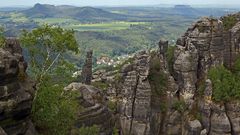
53, 21
76, 25
102, 26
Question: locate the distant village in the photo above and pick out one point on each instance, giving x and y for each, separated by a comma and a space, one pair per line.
105, 60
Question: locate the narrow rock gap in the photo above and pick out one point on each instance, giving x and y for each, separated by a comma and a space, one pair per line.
133, 102
210, 122
231, 125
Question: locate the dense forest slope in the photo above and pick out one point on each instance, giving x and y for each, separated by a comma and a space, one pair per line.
80, 13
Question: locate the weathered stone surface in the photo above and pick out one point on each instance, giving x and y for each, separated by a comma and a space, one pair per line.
136, 93
193, 128
187, 106
233, 112
16, 90
94, 110
86, 76
220, 124
185, 70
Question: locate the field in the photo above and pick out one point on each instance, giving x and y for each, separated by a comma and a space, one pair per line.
76, 25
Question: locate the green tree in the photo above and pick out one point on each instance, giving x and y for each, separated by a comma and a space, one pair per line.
47, 46
2, 37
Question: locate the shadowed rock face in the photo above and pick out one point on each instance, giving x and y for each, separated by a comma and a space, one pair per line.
16, 91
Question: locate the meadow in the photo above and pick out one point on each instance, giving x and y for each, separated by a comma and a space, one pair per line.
78, 26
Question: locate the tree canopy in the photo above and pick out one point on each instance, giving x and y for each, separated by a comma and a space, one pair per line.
46, 47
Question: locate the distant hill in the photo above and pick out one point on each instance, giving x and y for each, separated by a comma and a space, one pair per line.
9, 9
186, 10
80, 13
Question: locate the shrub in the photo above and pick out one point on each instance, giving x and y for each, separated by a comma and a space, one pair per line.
170, 58
112, 105
127, 61
53, 111
157, 78
100, 85
180, 106
229, 22
2, 38
94, 130
225, 84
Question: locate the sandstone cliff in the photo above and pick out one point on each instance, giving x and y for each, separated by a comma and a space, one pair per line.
158, 97
16, 91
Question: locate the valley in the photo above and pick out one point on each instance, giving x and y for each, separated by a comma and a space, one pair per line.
109, 31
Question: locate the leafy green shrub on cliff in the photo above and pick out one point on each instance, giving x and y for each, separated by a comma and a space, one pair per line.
229, 22
170, 58
54, 111
157, 78
93, 130
179, 106
100, 85
225, 84
2, 38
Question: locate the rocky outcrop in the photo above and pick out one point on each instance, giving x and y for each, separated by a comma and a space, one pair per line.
16, 91
180, 109
135, 93
86, 76
93, 108
152, 100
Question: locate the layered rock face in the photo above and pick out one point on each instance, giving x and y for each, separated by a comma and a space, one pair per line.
86, 75
179, 109
135, 96
16, 91
94, 111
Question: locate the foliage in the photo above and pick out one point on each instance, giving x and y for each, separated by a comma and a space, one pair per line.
225, 84
54, 110
94, 130
229, 22
236, 67
112, 105
2, 37
46, 47
127, 61
170, 58
115, 131
100, 85
157, 78
180, 106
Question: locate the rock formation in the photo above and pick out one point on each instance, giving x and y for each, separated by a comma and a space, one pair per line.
86, 75
93, 106
179, 109
152, 100
16, 91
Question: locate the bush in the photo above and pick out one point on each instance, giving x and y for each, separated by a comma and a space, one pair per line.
170, 58
53, 111
179, 106
2, 38
94, 130
100, 85
225, 84
157, 78
229, 22
112, 105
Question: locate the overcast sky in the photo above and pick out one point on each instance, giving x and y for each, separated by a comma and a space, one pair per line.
4, 3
